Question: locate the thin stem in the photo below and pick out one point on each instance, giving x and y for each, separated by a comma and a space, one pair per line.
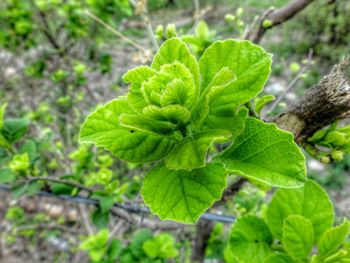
60, 181
292, 83
141, 9
251, 109
150, 32
115, 31
86, 220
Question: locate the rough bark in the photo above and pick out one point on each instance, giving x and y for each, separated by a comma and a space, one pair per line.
324, 103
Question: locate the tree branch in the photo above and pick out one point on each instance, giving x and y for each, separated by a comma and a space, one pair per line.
324, 103
276, 17
203, 231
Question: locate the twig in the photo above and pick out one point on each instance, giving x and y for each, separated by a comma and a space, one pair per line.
291, 84
196, 16
60, 181
117, 33
251, 109
231, 190
276, 17
150, 32
86, 219
250, 27
196, 13
203, 231
49, 226
47, 33
116, 228
129, 208
141, 9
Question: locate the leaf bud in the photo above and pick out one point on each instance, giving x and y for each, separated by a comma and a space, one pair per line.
267, 23
171, 31
337, 155
230, 18
325, 159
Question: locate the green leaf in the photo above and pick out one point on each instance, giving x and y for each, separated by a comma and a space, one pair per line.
234, 122
278, 258
136, 77
333, 238
267, 154
106, 202
337, 257
139, 237
7, 176
151, 126
166, 243
114, 250
14, 129
4, 143
193, 40
151, 248
302, 202
2, 114
20, 162
100, 219
18, 190
103, 129
30, 148
250, 239
26, 188
298, 236
175, 93
201, 110
176, 50
202, 30
249, 62
162, 246
92, 242
191, 152
260, 102
171, 76
183, 195
172, 113
61, 189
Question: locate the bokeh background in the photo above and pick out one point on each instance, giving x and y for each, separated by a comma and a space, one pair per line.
57, 64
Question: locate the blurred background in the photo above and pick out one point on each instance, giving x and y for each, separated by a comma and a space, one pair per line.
60, 59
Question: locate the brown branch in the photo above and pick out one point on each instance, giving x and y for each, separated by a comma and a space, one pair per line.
324, 103
276, 17
203, 231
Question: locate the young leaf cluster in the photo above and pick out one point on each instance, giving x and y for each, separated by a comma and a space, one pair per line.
297, 228
177, 109
336, 141
143, 247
